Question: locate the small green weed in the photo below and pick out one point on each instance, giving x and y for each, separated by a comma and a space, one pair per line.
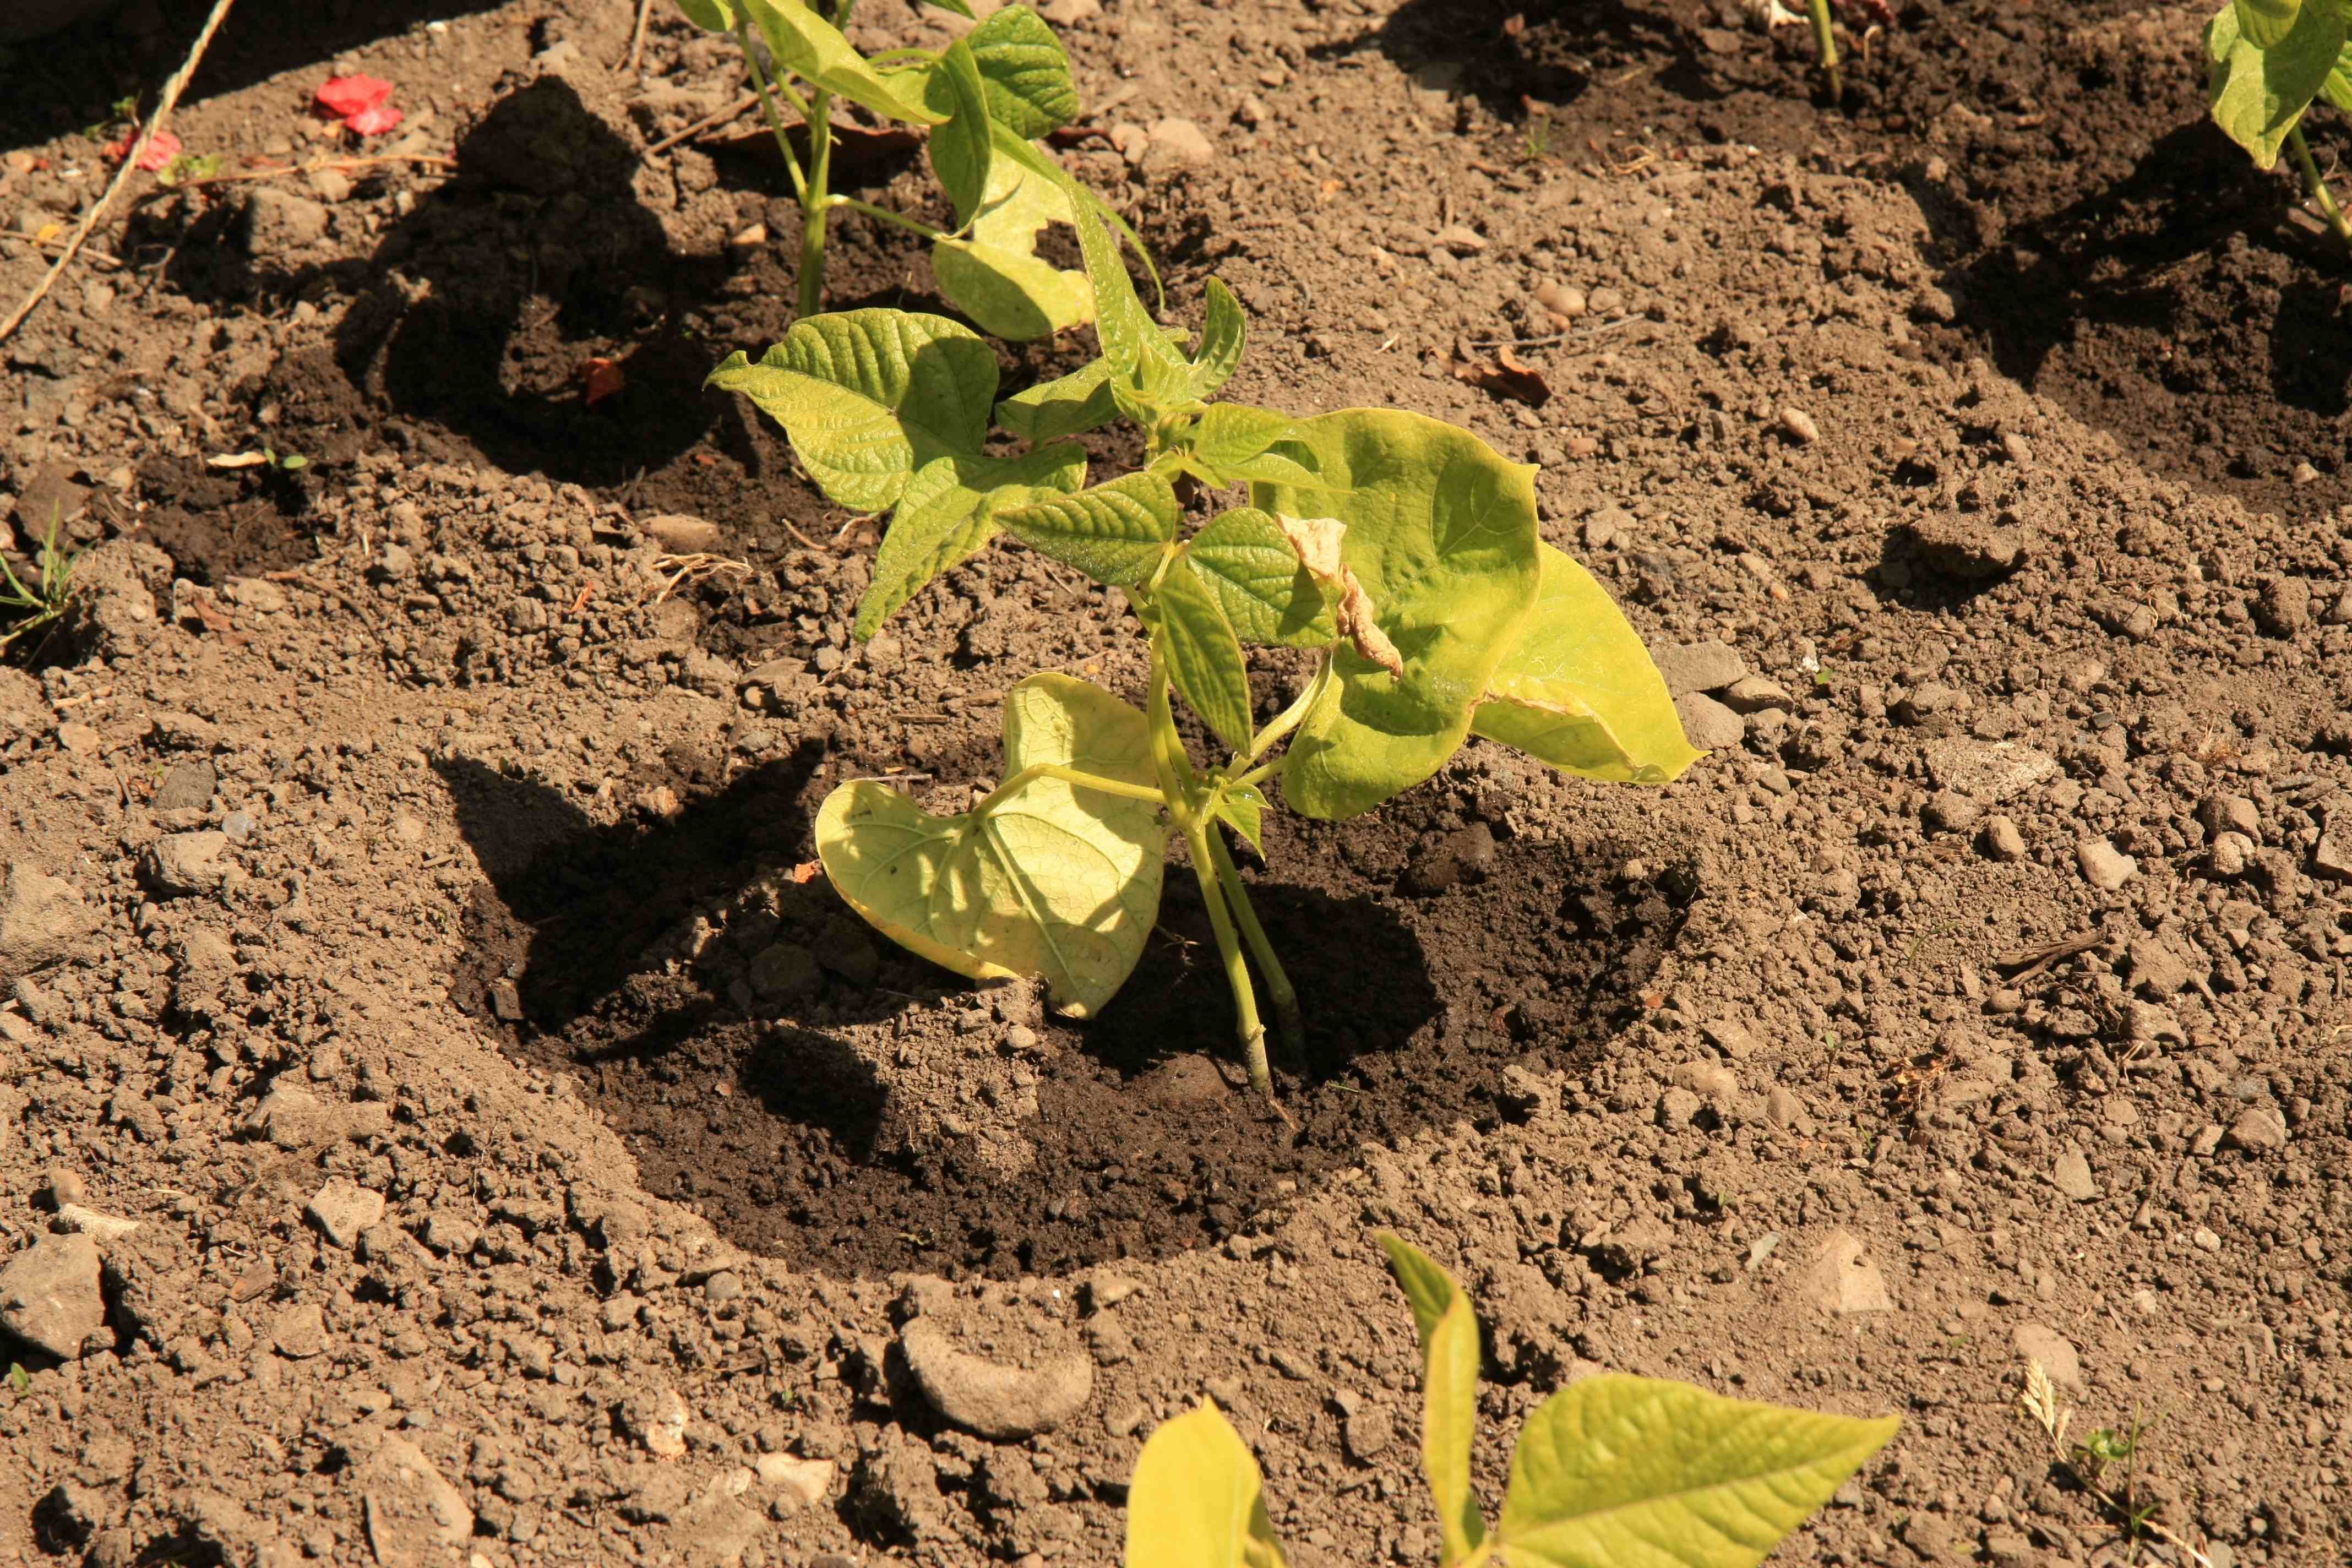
28, 607
2103, 1464
19, 1379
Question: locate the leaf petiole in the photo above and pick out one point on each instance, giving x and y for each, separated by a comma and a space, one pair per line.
2312, 177
1825, 45
1036, 770
769, 91
1288, 718
913, 225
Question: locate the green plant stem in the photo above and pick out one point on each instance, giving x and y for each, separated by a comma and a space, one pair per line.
1283, 722
912, 225
1825, 45
1229, 948
767, 106
818, 206
1278, 988
2320, 191
1036, 770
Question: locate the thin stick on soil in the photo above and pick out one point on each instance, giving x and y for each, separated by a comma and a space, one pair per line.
637, 36
316, 165
147, 134
2318, 184
710, 122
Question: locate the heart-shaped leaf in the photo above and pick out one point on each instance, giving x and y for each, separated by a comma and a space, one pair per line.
948, 514
2258, 94
994, 275
1197, 1501
814, 49
1617, 1471
1030, 89
1441, 533
1269, 595
1449, 1355
1060, 880
1204, 657
1115, 532
869, 397
1222, 337
1579, 690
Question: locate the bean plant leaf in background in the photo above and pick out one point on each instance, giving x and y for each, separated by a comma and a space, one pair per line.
1612, 1472
2259, 92
1399, 553
1572, 691
1048, 877
1030, 92
814, 49
993, 274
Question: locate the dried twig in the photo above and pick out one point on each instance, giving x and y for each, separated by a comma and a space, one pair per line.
637, 38
102, 257
696, 567
316, 165
742, 105
147, 133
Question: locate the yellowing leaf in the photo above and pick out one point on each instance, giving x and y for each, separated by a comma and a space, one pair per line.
1266, 591
1630, 1472
1115, 532
2257, 93
814, 49
869, 397
1060, 880
1449, 1354
1579, 690
1197, 1499
1441, 533
996, 276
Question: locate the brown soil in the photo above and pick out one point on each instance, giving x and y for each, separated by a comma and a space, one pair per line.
1942, 955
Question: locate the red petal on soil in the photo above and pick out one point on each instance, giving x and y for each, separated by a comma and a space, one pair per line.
160, 151
345, 96
373, 122
1509, 376
807, 871
605, 379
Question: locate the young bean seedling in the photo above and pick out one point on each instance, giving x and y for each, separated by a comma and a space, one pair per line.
987, 98
1612, 1470
1399, 553
2266, 62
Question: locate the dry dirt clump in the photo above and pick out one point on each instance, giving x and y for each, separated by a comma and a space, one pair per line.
443, 1121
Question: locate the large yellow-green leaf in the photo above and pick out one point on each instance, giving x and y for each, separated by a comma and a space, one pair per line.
1449, 1355
1197, 1501
1266, 591
2267, 21
1630, 1472
1204, 657
948, 514
960, 146
1115, 532
1061, 881
994, 275
1441, 532
1030, 89
814, 49
1579, 690
2257, 93
869, 397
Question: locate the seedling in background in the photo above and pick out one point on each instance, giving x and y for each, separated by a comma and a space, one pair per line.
987, 98
30, 607
1612, 1470
1399, 553
2103, 1464
2266, 62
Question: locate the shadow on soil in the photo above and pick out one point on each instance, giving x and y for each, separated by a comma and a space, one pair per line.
67, 79
646, 961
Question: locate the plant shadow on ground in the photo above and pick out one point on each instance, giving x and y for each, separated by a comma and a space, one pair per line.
631, 954
67, 79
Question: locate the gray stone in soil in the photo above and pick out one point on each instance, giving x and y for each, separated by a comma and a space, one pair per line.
1700, 667
2041, 1343
785, 973
1367, 1433
2001, 840
2259, 1130
186, 786
416, 1518
1987, 773
1964, 547
49, 1296
1843, 1279
1006, 1402
42, 919
1465, 855
299, 1331
341, 1209
1710, 726
1949, 811
2073, 1175
2104, 866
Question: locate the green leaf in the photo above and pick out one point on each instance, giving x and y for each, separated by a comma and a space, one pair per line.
1233, 443
1449, 1352
1222, 337
1114, 534
1268, 597
1197, 1499
710, 16
2258, 94
814, 49
869, 397
1067, 406
1138, 350
1579, 690
1204, 657
1632, 1472
1243, 807
995, 274
959, 146
1440, 532
2266, 22
960, 8
2337, 89
1060, 881
948, 515
1030, 89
